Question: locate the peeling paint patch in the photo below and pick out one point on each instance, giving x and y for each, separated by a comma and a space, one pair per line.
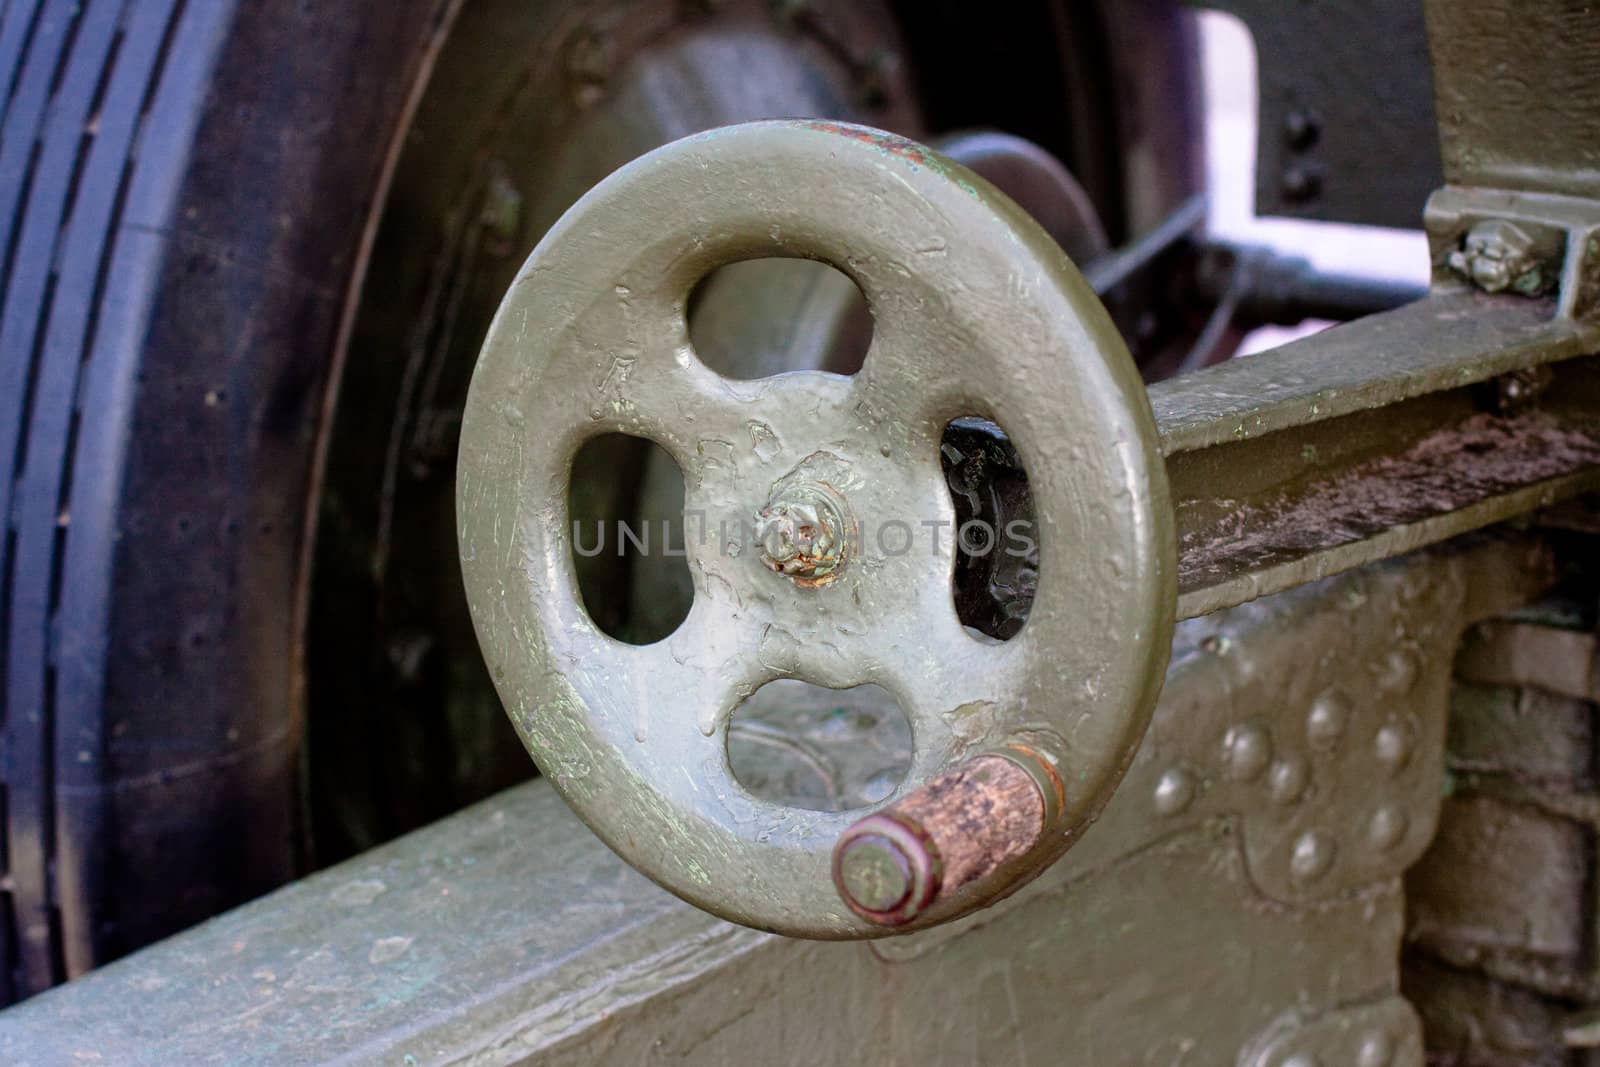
386, 949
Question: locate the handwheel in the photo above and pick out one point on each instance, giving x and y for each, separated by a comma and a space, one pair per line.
815, 496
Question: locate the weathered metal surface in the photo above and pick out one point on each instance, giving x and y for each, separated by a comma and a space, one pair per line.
1368, 440
1346, 126
1518, 93
509, 934
1552, 241
1372, 439
1449, 340
1357, 444
965, 825
977, 313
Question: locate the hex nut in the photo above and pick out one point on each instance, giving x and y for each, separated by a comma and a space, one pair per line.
1497, 255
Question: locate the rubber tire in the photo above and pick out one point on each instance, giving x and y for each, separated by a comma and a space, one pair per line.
184, 191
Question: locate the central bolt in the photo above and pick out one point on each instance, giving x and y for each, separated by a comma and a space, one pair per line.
805, 532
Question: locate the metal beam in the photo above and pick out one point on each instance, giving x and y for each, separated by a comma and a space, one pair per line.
1375, 438
1239, 901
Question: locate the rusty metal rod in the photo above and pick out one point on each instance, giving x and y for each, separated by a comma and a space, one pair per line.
894, 864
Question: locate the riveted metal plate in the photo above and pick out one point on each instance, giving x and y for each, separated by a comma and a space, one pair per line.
1335, 768
1148, 944
1346, 128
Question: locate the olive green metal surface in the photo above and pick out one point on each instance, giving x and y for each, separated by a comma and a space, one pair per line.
1239, 901
1517, 92
977, 313
1373, 439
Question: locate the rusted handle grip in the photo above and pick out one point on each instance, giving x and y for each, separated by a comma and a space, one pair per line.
894, 864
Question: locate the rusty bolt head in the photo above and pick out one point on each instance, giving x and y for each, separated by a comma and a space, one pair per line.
805, 533
885, 870
1497, 255
874, 873
793, 529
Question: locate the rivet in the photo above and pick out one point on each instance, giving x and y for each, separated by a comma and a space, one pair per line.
1400, 670
1174, 792
1247, 751
1287, 780
1393, 744
1326, 722
1312, 856
1377, 1050
1387, 827
1301, 129
1301, 182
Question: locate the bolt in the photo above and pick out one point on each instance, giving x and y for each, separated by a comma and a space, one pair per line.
790, 529
1497, 255
805, 533
1393, 745
1287, 779
874, 873
1301, 129
1301, 182
589, 62
887, 869
1377, 1050
1519, 387
1400, 670
1325, 723
1387, 827
1246, 752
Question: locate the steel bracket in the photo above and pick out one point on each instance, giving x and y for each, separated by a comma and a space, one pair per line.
1562, 232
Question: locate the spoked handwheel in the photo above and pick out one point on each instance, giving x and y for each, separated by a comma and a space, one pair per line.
977, 313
